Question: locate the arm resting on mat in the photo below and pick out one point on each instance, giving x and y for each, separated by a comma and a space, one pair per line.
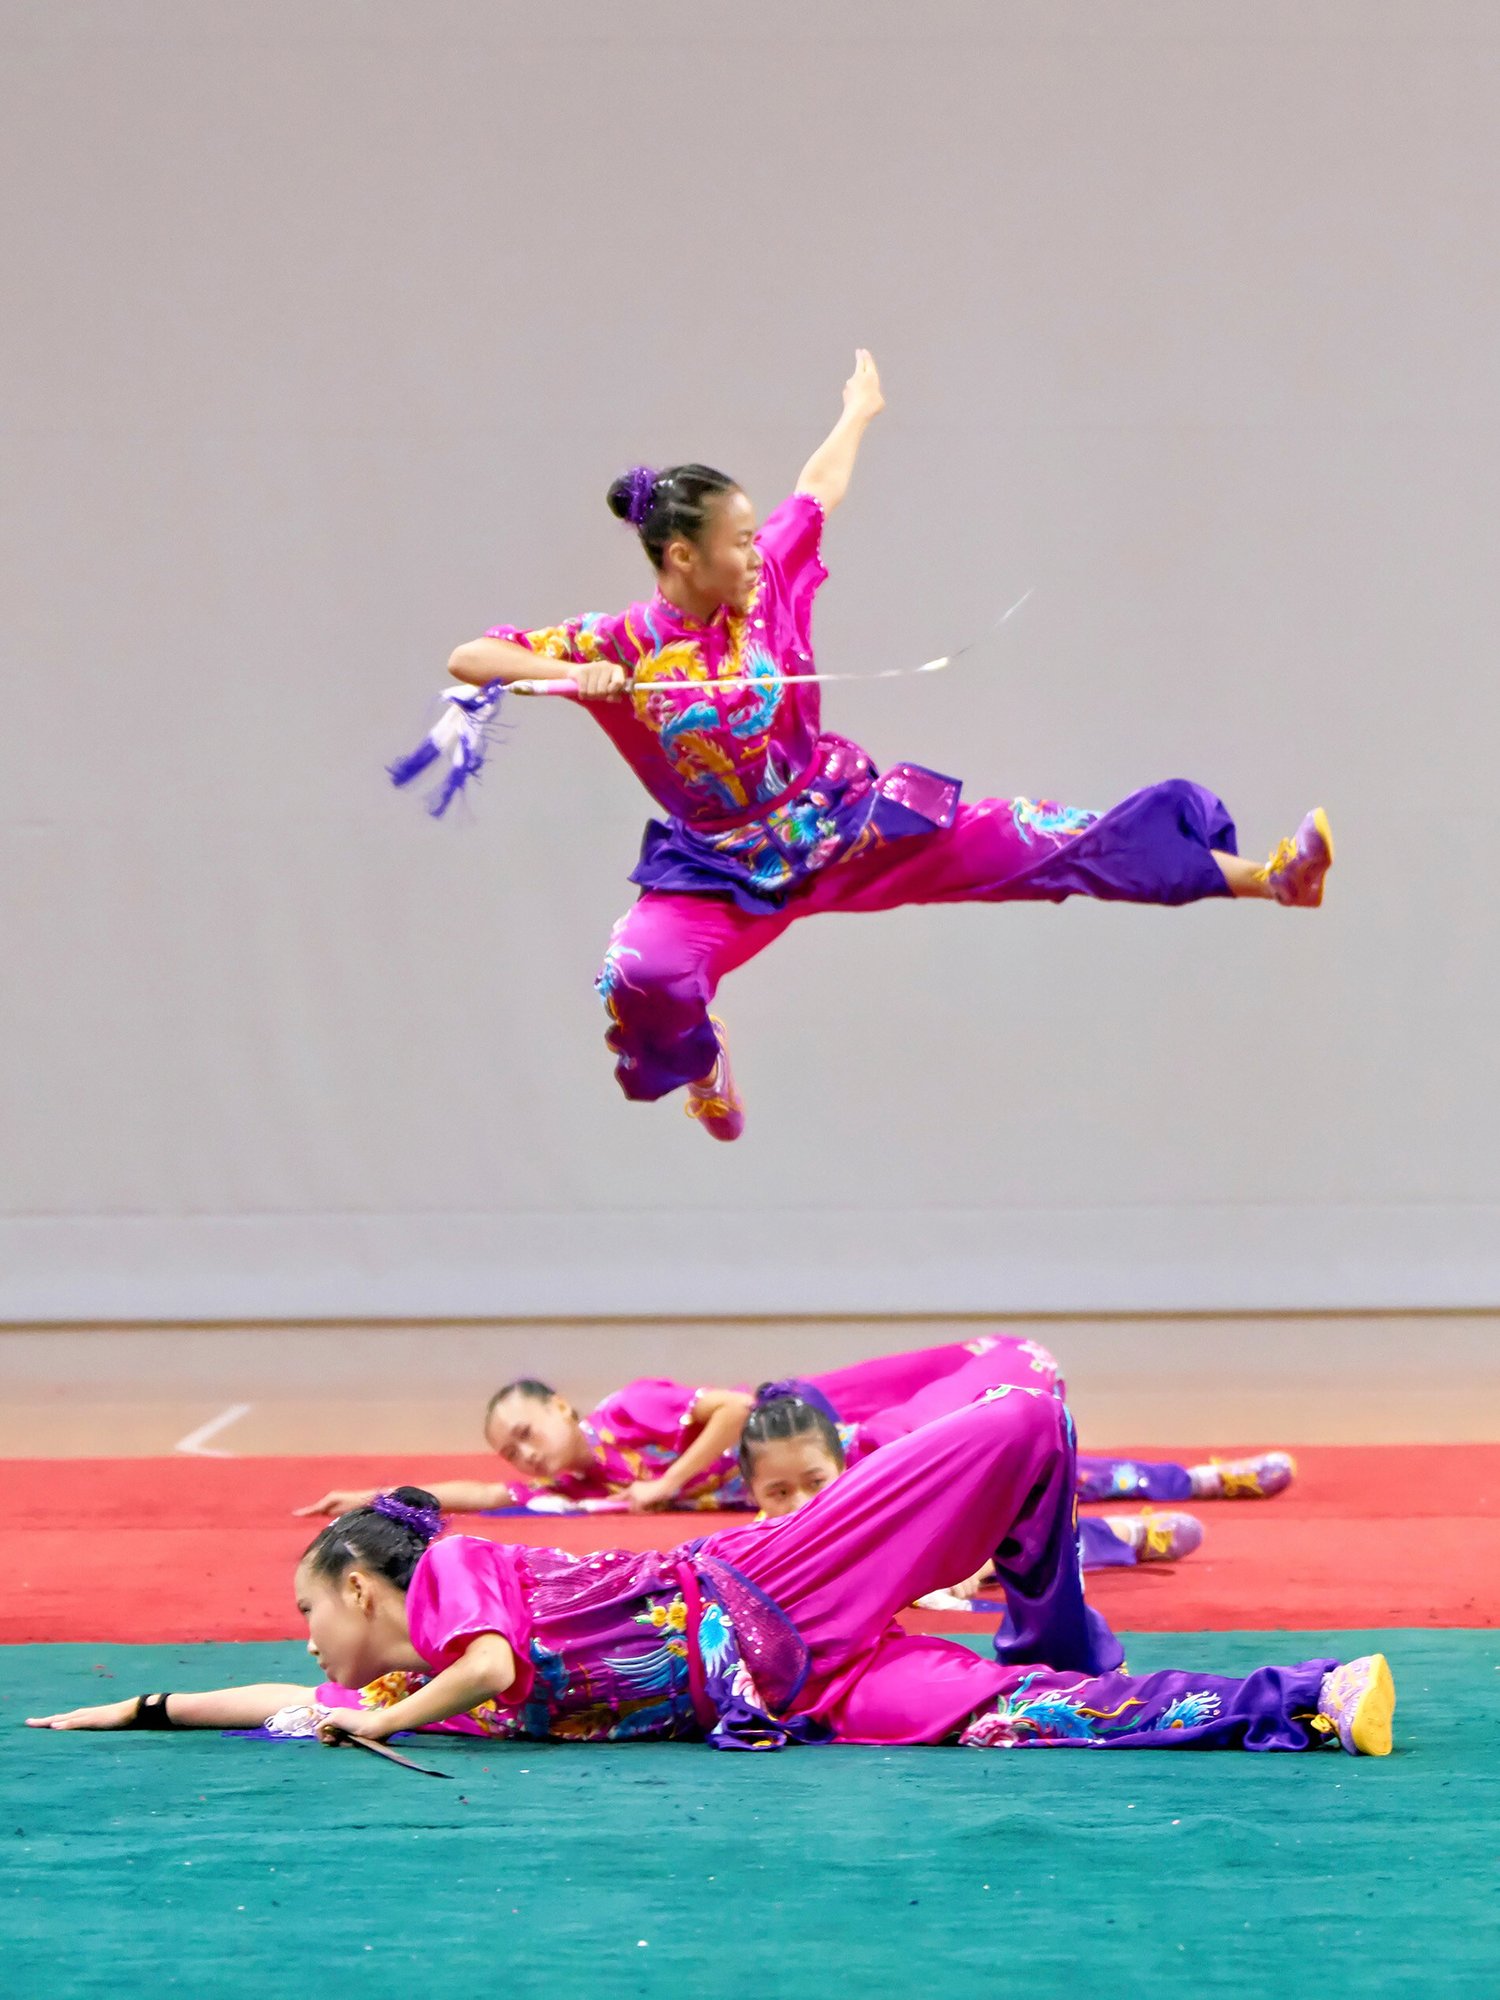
454, 1496
486, 1670
218, 1708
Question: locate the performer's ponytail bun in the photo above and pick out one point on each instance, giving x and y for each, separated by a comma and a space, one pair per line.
630, 496
673, 505
389, 1537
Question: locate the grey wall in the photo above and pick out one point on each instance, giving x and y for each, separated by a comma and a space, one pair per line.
324, 328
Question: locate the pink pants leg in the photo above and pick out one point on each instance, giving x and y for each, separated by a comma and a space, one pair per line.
670, 951
872, 1388
1001, 1363
995, 1479
659, 977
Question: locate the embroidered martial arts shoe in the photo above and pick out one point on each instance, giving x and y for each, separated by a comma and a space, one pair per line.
1243, 1478
1294, 874
1158, 1538
1356, 1701
713, 1100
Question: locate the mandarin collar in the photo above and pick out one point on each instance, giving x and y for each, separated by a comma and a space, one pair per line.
686, 618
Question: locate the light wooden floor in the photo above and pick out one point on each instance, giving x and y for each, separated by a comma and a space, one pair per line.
102, 1391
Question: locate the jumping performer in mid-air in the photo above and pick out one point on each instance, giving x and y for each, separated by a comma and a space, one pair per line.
708, 689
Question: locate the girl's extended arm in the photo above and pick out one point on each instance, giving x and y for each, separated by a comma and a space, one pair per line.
217, 1708
826, 474
482, 661
722, 1413
454, 1496
487, 1669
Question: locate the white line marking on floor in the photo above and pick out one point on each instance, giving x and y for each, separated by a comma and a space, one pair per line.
196, 1443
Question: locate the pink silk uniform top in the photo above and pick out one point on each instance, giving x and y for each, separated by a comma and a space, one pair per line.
608, 1646
759, 795
636, 1433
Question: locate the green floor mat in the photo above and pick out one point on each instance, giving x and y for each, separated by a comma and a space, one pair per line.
186, 1863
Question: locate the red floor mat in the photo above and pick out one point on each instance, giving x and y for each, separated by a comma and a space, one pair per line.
197, 1548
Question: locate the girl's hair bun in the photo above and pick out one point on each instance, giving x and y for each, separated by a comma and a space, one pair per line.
414, 1507
632, 495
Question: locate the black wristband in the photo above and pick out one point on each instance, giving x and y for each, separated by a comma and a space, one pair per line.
151, 1713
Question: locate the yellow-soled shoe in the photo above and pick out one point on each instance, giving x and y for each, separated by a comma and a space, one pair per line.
714, 1101
1296, 872
1359, 1699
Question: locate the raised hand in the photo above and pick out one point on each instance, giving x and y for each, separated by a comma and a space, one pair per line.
862, 391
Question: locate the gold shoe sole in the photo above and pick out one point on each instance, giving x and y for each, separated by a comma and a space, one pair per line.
1370, 1724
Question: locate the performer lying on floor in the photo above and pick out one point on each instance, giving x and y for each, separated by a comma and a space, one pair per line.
760, 1635
657, 1443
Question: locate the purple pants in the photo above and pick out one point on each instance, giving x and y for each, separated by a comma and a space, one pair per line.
1132, 1479
669, 953
993, 1480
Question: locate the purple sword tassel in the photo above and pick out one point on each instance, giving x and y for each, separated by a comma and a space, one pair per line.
462, 736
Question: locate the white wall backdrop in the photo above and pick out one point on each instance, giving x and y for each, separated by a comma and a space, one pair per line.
325, 326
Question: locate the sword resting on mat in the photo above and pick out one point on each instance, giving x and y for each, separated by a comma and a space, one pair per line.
385, 1750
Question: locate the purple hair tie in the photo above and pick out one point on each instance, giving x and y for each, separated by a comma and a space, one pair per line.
424, 1521
771, 1392
640, 485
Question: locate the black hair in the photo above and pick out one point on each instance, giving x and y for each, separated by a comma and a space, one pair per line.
525, 1385
785, 1417
665, 506
376, 1541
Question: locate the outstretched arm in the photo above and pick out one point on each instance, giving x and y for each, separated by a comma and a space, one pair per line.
216, 1708
826, 474
483, 661
485, 1671
454, 1496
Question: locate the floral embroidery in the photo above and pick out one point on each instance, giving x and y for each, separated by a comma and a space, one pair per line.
390, 1688
1047, 1715
1188, 1710
1033, 1713
1046, 816
619, 1465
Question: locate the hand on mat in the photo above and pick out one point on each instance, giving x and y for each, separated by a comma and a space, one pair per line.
599, 680
341, 1723
108, 1715
340, 1503
646, 1495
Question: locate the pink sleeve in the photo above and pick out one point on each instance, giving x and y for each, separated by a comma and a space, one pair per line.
789, 540
461, 1588
595, 636
654, 1411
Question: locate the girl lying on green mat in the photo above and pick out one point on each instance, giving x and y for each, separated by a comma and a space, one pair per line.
768, 1633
